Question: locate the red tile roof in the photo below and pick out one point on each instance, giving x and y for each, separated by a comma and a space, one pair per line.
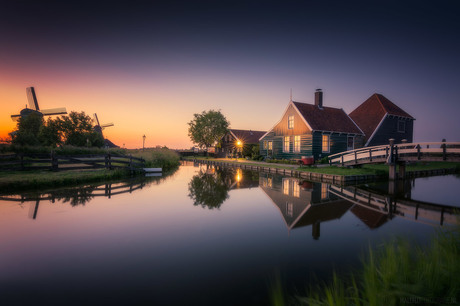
248, 136
327, 118
369, 114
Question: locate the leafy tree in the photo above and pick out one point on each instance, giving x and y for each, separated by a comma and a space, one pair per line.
28, 128
77, 130
50, 133
207, 128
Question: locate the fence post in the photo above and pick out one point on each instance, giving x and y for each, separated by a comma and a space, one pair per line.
419, 154
110, 161
444, 157
370, 154
107, 161
21, 156
54, 161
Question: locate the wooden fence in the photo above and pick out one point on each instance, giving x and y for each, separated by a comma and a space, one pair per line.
54, 162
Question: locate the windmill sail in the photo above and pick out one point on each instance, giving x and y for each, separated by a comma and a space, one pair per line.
107, 125
32, 98
54, 111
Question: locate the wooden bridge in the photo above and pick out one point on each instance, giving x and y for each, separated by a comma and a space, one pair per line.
418, 211
398, 154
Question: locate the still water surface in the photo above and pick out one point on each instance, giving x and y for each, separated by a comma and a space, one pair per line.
200, 237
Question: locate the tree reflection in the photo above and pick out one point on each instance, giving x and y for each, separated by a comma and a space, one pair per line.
209, 188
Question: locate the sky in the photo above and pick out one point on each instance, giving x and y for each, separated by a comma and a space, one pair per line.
148, 66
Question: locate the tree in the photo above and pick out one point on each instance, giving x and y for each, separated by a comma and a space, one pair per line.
28, 128
207, 128
77, 130
209, 189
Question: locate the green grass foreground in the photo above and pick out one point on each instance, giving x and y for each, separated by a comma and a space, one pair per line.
394, 274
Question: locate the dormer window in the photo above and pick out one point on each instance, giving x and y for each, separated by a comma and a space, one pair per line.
290, 122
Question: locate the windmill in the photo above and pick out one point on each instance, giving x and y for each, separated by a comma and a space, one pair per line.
99, 127
34, 108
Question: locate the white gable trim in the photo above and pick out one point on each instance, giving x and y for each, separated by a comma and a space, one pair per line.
301, 116
233, 134
284, 113
375, 131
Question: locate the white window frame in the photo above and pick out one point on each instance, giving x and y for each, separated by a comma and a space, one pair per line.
328, 149
297, 144
286, 144
291, 122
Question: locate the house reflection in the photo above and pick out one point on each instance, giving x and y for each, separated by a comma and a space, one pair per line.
303, 203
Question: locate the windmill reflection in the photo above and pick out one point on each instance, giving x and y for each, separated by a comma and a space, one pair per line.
75, 196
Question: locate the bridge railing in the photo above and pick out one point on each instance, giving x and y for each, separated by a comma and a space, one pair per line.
403, 151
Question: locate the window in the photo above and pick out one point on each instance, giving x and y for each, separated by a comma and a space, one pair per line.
324, 191
265, 145
286, 144
290, 122
297, 144
350, 143
326, 141
289, 209
286, 186
401, 126
296, 189
270, 145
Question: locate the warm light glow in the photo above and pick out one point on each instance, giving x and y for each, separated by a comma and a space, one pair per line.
239, 143
239, 175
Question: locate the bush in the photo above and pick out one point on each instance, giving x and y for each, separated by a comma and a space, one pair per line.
159, 158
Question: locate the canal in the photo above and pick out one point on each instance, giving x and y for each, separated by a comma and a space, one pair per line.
203, 236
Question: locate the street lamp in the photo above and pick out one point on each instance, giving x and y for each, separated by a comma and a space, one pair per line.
239, 145
143, 142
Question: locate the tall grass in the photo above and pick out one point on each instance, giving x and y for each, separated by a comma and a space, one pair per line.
396, 274
159, 157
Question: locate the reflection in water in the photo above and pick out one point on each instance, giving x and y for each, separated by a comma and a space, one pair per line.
210, 187
80, 195
303, 203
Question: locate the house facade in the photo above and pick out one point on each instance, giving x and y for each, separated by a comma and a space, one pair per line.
311, 130
237, 141
380, 119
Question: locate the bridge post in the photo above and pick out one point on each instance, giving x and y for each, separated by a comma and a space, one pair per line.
402, 170
444, 157
391, 161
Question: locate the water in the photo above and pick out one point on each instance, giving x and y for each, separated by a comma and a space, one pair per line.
199, 237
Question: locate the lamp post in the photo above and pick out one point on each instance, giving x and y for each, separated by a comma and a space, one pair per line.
239, 145
143, 142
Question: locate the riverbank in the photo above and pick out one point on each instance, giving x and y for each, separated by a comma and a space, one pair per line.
334, 174
20, 180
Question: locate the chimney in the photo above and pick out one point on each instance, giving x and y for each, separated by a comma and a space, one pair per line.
319, 98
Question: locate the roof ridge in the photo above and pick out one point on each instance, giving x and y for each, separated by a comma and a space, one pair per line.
380, 102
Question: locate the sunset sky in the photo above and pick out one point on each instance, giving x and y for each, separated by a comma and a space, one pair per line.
148, 67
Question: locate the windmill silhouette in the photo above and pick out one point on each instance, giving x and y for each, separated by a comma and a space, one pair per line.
35, 108
99, 127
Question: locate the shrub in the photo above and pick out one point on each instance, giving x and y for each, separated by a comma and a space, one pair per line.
162, 158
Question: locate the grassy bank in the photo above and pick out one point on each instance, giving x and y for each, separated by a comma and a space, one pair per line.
376, 169
19, 180
394, 274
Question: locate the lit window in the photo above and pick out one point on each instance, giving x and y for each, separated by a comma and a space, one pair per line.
296, 189
270, 145
265, 145
326, 143
401, 126
289, 209
286, 144
324, 191
269, 182
297, 144
286, 186
290, 122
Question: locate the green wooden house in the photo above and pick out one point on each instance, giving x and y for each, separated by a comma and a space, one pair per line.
311, 130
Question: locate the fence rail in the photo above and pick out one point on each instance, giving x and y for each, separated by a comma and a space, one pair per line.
423, 151
54, 162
